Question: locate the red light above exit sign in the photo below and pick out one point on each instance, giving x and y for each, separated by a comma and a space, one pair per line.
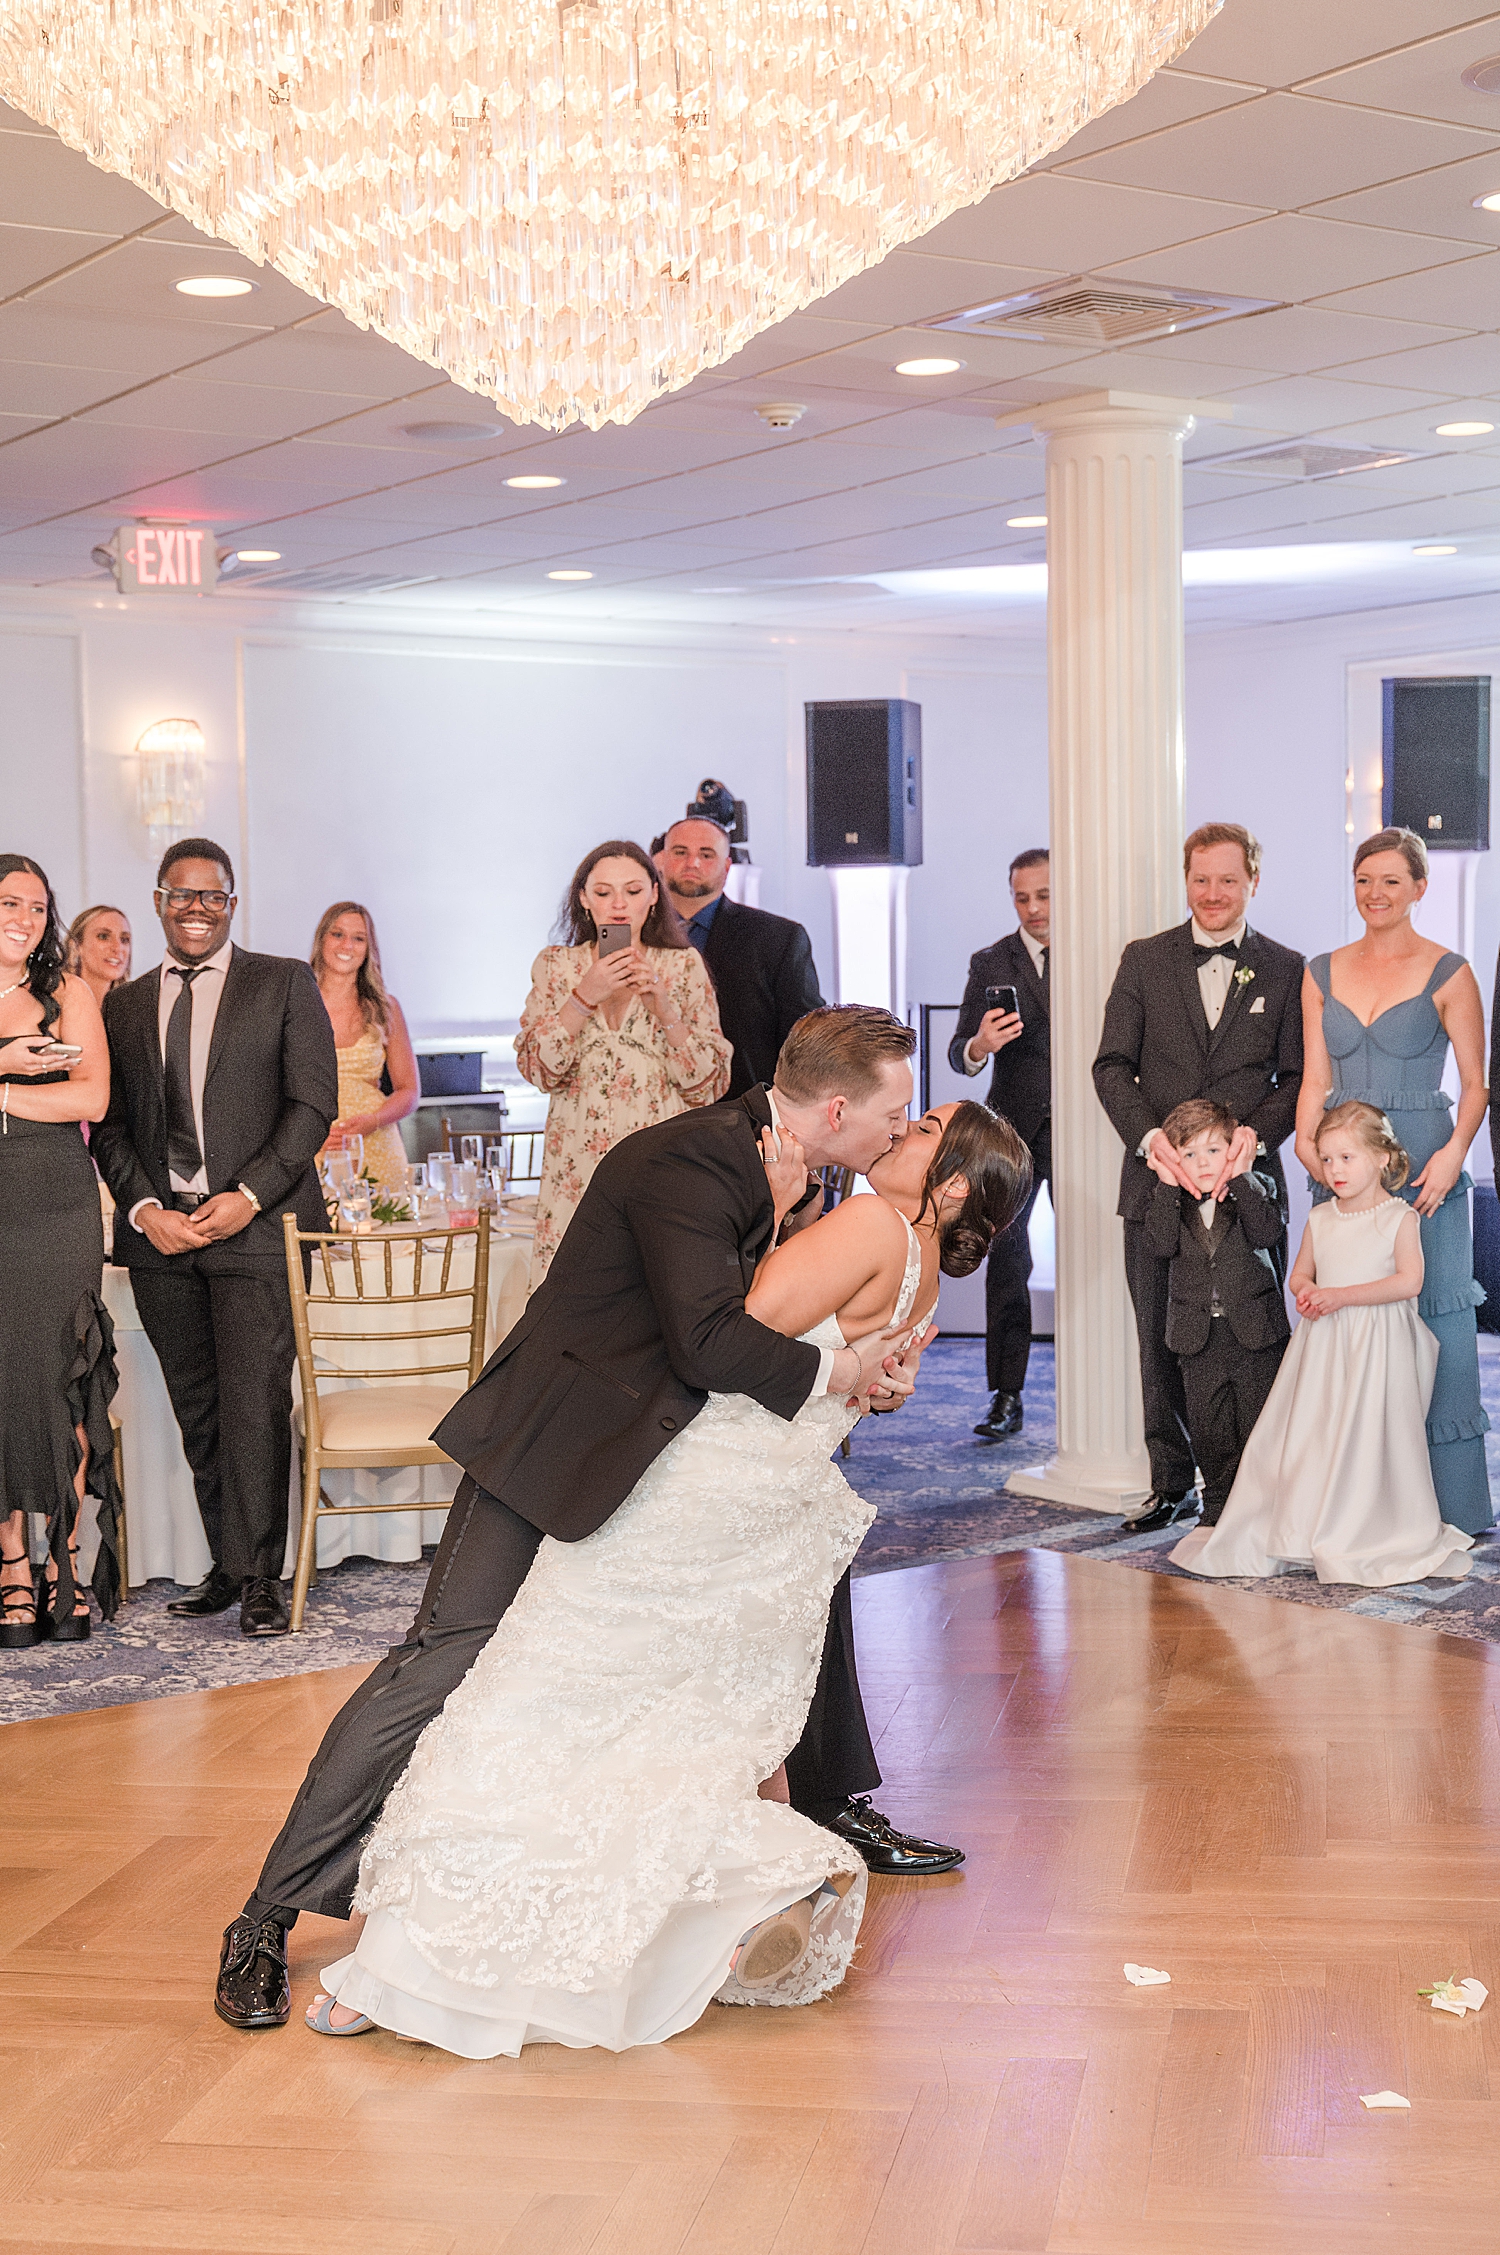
152, 556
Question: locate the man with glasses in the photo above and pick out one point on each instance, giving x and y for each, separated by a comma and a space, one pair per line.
223, 1086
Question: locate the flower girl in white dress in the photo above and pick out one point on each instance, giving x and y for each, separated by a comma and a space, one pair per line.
1336, 1473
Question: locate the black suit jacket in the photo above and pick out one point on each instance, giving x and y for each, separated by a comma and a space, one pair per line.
1021, 1083
762, 967
1157, 1049
1235, 1264
639, 1318
270, 1095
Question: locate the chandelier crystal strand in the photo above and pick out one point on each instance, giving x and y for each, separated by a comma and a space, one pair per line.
574, 207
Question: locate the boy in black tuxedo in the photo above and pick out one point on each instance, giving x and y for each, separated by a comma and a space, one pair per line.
1226, 1313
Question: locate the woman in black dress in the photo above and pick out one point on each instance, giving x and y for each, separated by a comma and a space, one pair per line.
57, 1369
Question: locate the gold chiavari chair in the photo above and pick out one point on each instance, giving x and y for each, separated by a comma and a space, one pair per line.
523, 1156
387, 1417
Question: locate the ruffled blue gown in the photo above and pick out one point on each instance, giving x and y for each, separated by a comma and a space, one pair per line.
1397, 1062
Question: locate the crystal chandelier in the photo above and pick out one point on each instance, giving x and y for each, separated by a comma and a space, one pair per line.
574, 206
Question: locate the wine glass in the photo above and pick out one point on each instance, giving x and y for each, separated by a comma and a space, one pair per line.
471, 1150
338, 1168
494, 1159
354, 1208
416, 1177
355, 1146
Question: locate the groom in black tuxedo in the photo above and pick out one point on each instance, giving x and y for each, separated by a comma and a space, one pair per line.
223, 1086
1209, 1009
640, 1317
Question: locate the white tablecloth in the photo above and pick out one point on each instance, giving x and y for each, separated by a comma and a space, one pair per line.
164, 1530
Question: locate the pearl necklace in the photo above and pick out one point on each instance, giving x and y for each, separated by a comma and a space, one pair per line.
4, 991
1375, 1209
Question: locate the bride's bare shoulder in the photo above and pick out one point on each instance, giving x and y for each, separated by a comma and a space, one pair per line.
866, 1220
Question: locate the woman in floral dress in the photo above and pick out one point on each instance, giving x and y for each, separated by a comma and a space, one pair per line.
617, 1041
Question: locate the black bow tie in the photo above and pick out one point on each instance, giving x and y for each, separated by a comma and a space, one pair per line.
1202, 955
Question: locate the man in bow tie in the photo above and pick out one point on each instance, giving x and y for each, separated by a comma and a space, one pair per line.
1210, 1009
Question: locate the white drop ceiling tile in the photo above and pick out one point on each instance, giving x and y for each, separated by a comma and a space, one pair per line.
1283, 151
1464, 516
44, 184
1068, 225
33, 331
29, 254
798, 338
234, 411
1168, 99
1438, 203
1466, 294
1418, 430
1290, 256
1318, 403
1010, 481
31, 387
1279, 42
328, 354
915, 286
84, 459
1300, 340
137, 277
1425, 79
1462, 365
1145, 370
15, 424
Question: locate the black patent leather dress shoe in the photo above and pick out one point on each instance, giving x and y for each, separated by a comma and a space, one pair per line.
1163, 1511
253, 1991
214, 1594
884, 1848
1004, 1416
263, 1610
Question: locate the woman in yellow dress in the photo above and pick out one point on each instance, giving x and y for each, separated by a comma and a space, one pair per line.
619, 1041
370, 1035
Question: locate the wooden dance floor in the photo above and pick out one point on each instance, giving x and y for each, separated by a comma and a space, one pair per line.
1292, 1812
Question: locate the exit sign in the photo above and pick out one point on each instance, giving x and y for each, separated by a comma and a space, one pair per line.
152, 556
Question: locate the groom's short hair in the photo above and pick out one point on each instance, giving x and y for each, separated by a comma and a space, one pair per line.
839, 1051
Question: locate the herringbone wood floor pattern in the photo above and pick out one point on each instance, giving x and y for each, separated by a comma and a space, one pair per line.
1294, 1812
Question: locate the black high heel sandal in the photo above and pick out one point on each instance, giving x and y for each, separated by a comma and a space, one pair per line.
18, 1597
70, 1628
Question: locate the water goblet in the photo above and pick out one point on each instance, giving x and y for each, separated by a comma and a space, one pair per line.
471, 1150
416, 1177
439, 1170
354, 1208
495, 1161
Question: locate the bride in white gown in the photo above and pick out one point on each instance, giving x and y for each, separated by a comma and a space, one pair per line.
582, 1850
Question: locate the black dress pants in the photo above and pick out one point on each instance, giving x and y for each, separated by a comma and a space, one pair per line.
484, 1557
1226, 1387
223, 1337
1163, 1398
1007, 1292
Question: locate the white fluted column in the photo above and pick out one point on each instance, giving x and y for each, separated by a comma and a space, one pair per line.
1115, 734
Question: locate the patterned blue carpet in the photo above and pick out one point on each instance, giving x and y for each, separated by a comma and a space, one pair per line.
939, 1493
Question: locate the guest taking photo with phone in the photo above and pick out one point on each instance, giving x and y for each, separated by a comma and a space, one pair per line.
1006, 1017
620, 1029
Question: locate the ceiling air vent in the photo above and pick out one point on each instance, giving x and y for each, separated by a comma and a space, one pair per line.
1083, 312
1304, 459
328, 579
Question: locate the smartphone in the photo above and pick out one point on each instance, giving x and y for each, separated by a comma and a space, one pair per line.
57, 1052
612, 938
1002, 998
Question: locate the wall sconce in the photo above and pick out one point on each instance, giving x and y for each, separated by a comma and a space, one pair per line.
171, 754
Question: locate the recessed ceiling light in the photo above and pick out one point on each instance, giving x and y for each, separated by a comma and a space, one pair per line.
570, 575
259, 555
1488, 203
1464, 430
1435, 548
1024, 524
927, 367
213, 286
534, 485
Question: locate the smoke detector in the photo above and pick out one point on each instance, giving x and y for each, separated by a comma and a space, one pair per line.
781, 413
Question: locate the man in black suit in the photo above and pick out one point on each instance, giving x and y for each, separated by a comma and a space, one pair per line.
223, 1086
640, 1317
1209, 1009
761, 965
1020, 1041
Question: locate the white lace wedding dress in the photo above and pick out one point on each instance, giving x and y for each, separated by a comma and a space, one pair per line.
578, 1844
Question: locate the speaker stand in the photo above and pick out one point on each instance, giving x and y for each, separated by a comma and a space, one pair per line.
869, 936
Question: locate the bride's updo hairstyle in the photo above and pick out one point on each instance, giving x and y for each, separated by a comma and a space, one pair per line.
1404, 842
986, 1150
1370, 1126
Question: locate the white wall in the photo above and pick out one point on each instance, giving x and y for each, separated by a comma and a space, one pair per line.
453, 779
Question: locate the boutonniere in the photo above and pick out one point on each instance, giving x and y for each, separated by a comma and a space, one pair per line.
1243, 975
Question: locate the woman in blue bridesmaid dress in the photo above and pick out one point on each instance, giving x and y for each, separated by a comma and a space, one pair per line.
1379, 1017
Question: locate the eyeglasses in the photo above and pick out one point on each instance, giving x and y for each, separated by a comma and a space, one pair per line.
183, 896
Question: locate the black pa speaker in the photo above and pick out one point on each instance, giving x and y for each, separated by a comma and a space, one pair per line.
1436, 760
864, 783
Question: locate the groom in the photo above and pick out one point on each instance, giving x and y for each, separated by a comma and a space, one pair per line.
641, 1316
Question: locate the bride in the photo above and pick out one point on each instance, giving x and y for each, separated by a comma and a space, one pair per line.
592, 1842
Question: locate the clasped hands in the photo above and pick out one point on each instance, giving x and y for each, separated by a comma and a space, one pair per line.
223, 1215
1165, 1164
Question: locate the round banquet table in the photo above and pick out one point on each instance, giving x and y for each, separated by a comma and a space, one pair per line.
164, 1532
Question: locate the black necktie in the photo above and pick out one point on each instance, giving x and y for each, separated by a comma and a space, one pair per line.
183, 1155
1046, 963
1202, 955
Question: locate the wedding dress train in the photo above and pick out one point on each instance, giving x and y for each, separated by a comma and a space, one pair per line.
578, 1844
